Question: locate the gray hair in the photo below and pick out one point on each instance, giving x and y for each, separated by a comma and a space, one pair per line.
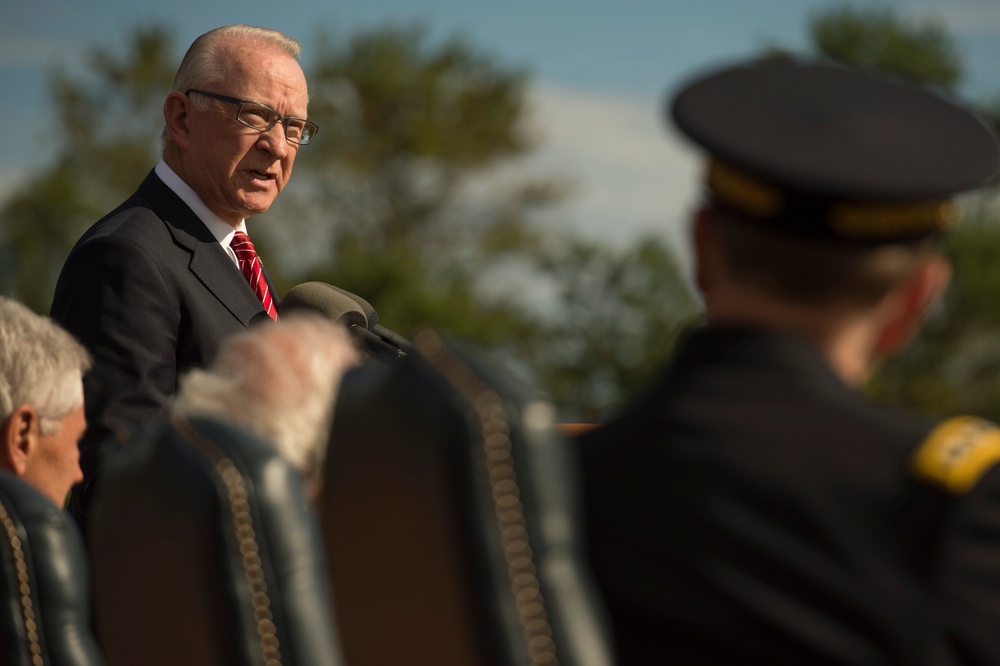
279, 381
207, 58
40, 365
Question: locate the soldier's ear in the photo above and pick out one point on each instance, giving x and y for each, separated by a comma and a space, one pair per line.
20, 438
913, 300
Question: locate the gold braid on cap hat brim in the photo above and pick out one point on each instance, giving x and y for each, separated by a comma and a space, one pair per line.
852, 220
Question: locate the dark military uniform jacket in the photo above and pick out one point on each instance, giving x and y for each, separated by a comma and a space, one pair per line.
751, 508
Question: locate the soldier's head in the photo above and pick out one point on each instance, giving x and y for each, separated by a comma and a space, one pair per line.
827, 189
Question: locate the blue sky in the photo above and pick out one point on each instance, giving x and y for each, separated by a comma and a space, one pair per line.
600, 71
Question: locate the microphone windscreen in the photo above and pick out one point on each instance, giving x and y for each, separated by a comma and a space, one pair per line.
365, 306
327, 300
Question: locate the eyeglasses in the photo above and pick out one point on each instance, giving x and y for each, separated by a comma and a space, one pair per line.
262, 118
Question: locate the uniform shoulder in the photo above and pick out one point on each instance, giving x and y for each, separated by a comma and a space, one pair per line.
957, 453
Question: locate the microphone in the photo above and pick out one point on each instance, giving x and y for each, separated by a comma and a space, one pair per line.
352, 311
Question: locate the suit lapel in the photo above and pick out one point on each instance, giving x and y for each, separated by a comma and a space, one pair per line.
209, 262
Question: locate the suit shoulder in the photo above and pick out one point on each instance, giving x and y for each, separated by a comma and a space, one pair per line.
120, 240
131, 221
957, 453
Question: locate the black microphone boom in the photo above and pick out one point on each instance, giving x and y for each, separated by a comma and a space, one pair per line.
352, 311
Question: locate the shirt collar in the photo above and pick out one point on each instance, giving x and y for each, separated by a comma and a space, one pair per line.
222, 230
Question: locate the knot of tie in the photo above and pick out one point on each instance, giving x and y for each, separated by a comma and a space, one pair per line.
252, 270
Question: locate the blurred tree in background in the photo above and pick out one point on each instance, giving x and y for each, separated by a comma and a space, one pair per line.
403, 199
411, 197
917, 50
107, 133
953, 364
877, 38
408, 130
620, 316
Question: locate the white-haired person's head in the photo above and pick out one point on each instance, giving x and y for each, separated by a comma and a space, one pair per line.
280, 382
41, 400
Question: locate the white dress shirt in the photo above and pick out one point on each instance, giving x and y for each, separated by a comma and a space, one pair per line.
222, 230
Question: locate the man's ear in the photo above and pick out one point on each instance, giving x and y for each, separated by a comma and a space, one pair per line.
176, 113
20, 438
914, 299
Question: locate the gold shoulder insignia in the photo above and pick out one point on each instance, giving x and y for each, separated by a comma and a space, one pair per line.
957, 453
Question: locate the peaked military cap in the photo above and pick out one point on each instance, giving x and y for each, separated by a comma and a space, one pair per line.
832, 151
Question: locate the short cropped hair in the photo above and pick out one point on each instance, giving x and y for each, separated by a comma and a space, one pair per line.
206, 61
812, 271
278, 381
40, 365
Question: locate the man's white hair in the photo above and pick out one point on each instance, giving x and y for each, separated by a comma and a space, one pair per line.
207, 60
40, 365
279, 381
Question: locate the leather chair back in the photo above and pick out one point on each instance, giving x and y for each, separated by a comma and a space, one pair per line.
206, 553
450, 520
44, 582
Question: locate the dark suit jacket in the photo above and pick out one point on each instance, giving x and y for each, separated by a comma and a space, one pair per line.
150, 293
751, 508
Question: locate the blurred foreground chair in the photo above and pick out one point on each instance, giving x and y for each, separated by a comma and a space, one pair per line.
44, 582
449, 518
205, 553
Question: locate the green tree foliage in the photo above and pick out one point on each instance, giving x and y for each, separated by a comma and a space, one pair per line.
410, 197
877, 38
393, 194
405, 198
107, 141
919, 50
622, 311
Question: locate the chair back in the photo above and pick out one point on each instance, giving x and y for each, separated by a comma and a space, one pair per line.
206, 552
450, 521
44, 582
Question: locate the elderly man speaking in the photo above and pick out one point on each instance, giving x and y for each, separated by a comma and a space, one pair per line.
154, 287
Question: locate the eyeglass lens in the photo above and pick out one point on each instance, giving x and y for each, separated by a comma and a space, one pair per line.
262, 118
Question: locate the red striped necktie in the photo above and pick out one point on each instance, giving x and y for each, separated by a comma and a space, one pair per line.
246, 255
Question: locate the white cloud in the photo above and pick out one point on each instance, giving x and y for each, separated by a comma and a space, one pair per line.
633, 174
972, 17
31, 52
11, 178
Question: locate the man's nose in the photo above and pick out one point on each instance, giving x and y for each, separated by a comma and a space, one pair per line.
274, 141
